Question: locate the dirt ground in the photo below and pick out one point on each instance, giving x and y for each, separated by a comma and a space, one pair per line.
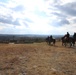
37, 59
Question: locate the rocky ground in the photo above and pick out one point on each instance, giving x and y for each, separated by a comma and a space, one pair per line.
37, 59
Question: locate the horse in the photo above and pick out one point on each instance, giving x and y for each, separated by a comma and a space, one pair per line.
47, 40
66, 40
74, 36
50, 40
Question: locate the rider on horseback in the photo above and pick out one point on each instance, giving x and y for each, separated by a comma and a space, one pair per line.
51, 37
67, 36
74, 36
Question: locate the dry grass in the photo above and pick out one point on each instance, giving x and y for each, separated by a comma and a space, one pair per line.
37, 59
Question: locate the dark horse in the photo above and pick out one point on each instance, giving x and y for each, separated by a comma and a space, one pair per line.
50, 40
70, 40
74, 36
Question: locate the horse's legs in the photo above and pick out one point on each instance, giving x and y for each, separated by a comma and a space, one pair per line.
49, 42
73, 44
54, 43
70, 44
62, 43
53, 40
65, 44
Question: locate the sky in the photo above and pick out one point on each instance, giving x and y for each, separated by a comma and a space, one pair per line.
37, 17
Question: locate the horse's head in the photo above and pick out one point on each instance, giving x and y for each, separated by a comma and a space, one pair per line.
74, 34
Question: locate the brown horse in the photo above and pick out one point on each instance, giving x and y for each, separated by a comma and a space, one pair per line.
74, 36
66, 40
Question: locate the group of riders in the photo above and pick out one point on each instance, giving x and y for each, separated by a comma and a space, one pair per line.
50, 39
67, 38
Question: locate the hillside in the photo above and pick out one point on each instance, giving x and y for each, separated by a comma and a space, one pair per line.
37, 59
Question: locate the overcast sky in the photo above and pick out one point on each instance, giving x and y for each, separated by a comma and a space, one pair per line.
37, 16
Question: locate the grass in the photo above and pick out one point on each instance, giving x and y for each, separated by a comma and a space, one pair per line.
37, 59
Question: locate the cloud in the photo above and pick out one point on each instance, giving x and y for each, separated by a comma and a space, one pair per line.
5, 1
60, 15
59, 23
64, 13
37, 16
68, 9
28, 20
12, 15
9, 20
64, 21
18, 8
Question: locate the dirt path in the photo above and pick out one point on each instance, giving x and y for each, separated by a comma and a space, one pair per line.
37, 59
